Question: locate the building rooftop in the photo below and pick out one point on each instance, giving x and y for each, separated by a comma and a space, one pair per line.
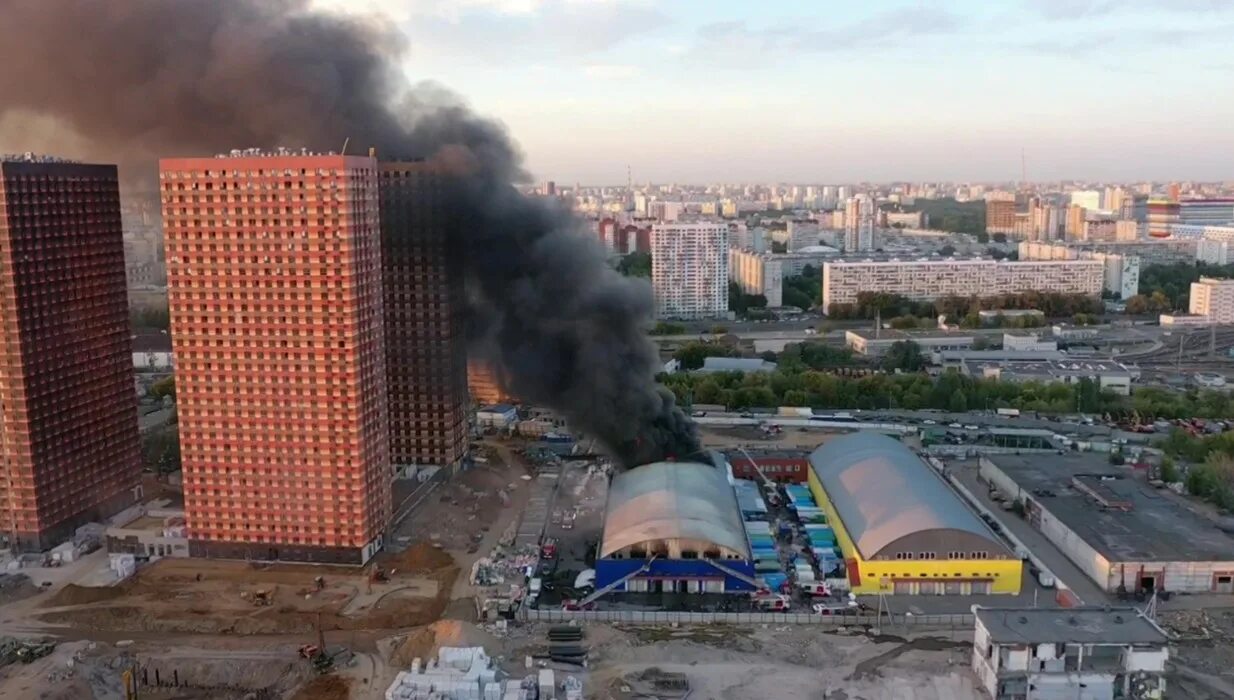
29, 157
733, 455
736, 364
1069, 626
1010, 313
893, 334
1048, 369
672, 500
996, 356
1153, 528
883, 492
497, 408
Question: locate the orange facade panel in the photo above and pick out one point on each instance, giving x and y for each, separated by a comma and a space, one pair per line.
274, 278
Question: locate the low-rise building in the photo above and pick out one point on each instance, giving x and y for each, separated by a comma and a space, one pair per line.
500, 415
994, 317
1116, 528
876, 343
777, 465
1090, 653
151, 533
1108, 375
736, 364
1028, 342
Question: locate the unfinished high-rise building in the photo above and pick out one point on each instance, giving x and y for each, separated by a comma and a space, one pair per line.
426, 361
69, 448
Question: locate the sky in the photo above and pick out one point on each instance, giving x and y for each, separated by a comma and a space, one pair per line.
817, 91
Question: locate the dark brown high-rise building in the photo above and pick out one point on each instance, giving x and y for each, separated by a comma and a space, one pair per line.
68, 432
426, 361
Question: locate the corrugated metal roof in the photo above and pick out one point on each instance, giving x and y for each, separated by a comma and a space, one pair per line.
882, 492
669, 500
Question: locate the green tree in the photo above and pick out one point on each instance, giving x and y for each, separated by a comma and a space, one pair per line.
1169, 470
149, 318
959, 402
665, 328
635, 265
692, 354
904, 355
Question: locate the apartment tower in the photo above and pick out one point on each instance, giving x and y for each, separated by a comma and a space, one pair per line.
275, 284
68, 414
426, 357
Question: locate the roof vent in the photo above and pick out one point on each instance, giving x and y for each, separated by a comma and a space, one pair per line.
1118, 619
1072, 621
1023, 620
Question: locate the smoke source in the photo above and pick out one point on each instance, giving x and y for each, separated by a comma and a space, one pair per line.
134, 80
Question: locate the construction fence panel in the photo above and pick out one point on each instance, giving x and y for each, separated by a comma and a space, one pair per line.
659, 617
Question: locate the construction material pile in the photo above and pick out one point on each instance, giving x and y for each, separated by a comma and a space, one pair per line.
458, 673
565, 645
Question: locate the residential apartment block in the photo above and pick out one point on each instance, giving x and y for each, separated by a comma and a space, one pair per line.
426, 357
69, 450
1121, 274
757, 273
689, 270
926, 280
275, 288
1213, 298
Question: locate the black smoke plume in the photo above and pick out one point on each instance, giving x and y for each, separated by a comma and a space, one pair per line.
132, 80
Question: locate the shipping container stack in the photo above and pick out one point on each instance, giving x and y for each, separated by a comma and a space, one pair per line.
768, 566
817, 538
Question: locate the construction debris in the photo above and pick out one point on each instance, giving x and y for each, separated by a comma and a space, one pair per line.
24, 650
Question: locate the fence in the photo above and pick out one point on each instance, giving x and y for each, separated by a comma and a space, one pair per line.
958, 620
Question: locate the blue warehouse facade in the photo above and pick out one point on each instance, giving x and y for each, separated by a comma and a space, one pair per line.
674, 527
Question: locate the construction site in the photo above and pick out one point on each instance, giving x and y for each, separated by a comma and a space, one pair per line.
441, 609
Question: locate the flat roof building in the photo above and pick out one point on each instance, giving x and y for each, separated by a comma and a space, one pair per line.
1214, 299
274, 276
1093, 653
927, 280
68, 414
689, 270
876, 343
1121, 532
1108, 374
901, 529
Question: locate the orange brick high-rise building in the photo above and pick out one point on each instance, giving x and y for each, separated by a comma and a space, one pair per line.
275, 286
69, 449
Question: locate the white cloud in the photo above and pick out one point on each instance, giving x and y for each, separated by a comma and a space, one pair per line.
610, 71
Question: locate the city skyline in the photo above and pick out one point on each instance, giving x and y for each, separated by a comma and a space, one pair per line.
888, 91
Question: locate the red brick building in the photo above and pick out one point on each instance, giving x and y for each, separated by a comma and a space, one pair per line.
426, 357
69, 412
778, 465
274, 280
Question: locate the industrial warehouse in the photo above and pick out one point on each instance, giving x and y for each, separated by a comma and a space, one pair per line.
673, 527
1128, 537
900, 528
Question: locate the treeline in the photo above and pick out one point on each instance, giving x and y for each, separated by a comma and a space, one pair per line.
812, 374
805, 291
964, 309
1211, 476
1168, 287
948, 214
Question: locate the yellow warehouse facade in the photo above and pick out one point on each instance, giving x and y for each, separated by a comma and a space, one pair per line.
900, 528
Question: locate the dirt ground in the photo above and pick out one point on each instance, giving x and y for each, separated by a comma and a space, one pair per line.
219, 597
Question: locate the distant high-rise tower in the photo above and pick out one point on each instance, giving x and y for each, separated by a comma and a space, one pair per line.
274, 280
426, 359
68, 421
859, 224
689, 270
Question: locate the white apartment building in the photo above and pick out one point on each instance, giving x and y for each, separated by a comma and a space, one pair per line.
1089, 199
689, 270
1121, 273
1213, 298
859, 216
757, 273
1213, 252
1093, 653
1128, 230
926, 280
1201, 231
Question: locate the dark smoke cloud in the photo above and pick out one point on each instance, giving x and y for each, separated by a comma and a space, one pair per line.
140, 79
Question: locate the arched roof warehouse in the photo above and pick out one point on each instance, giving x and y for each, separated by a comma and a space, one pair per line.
884, 493
672, 500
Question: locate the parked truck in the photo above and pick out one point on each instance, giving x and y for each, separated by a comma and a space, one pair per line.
1009, 412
